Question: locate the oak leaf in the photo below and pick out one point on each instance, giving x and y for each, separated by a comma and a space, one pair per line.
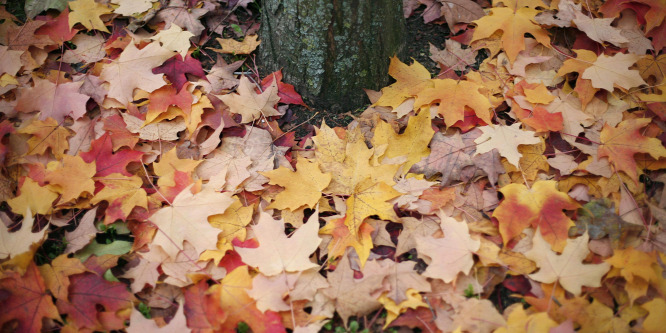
25, 300
567, 268
457, 258
302, 188
251, 105
278, 253
187, 219
506, 140
621, 143
133, 69
541, 206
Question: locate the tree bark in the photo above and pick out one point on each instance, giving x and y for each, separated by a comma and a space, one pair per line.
331, 49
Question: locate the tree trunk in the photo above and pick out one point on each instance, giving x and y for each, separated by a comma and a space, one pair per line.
331, 49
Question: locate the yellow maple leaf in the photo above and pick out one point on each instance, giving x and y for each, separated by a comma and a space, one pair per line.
413, 301
37, 199
514, 25
46, 134
233, 221
349, 160
412, 143
520, 321
343, 238
370, 198
638, 268
302, 187
622, 142
87, 12
122, 193
605, 72
453, 96
541, 206
170, 163
410, 80
232, 46
71, 177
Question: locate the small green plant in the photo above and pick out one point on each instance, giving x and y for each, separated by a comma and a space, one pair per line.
242, 328
469, 292
145, 310
237, 29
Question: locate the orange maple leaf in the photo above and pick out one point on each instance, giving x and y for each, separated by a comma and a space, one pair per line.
620, 144
540, 206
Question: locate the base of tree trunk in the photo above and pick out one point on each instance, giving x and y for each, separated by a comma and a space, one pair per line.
331, 49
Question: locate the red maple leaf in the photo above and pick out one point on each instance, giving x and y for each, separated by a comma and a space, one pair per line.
202, 308
90, 290
286, 91
175, 69
57, 28
25, 301
108, 162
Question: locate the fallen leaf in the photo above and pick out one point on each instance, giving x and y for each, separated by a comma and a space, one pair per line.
134, 69
457, 258
567, 268
251, 105
506, 140
542, 206
231, 46
302, 188
278, 253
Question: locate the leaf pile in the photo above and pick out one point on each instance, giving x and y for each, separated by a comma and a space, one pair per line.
144, 193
